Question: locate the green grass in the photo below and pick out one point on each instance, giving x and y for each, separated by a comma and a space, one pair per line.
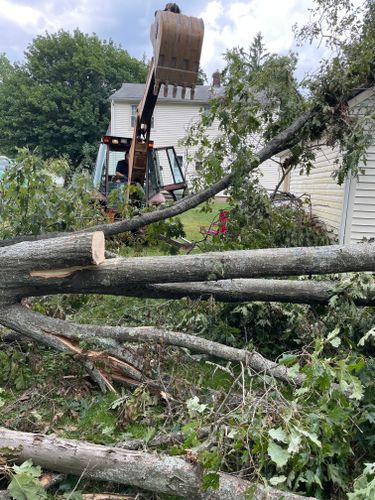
194, 218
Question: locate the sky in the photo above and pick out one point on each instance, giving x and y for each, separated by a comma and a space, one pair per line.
228, 24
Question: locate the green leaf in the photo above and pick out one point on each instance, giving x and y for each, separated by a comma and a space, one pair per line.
356, 389
310, 435
288, 359
279, 435
333, 338
25, 487
28, 468
370, 335
275, 480
194, 407
293, 371
294, 441
211, 480
277, 454
335, 342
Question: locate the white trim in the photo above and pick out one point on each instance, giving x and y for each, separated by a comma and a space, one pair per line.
349, 211
344, 213
366, 94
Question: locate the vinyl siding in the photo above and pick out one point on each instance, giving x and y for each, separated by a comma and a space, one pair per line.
270, 175
348, 209
361, 219
326, 196
171, 123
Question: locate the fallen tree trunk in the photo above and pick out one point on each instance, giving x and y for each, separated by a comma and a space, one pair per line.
159, 474
76, 264
117, 276
247, 290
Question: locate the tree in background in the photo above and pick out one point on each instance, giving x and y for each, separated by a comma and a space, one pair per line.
57, 100
5, 67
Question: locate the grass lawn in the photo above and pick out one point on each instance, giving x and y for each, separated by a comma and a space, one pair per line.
195, 218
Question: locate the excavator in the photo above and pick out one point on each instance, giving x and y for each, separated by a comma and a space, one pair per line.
177, 44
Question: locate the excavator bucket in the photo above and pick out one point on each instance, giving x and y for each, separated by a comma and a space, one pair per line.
177, 40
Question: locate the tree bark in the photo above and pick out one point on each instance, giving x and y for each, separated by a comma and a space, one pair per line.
110, 340
247, 290
117, 276
159, 474
76, 264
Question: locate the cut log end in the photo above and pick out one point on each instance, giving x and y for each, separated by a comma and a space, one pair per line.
98, 247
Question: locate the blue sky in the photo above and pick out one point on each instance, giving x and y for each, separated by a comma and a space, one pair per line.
227, 24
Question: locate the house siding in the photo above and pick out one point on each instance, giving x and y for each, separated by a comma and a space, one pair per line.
361, 207
270, 175
171, 123
326, 196
348, 209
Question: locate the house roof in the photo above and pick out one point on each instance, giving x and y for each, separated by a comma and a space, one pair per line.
133, 92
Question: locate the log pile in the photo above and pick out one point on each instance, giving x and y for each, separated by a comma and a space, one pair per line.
77, 264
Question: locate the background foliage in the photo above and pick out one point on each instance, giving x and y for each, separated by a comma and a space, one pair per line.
62, 91
34, 197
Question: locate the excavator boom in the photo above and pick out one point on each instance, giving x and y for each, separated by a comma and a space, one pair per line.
177, 41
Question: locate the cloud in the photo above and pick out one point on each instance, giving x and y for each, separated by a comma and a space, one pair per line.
24, 16
230, 24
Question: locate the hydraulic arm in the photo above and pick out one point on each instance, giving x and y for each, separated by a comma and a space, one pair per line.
177, 41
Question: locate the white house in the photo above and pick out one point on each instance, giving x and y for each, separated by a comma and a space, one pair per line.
348, 210
171, 120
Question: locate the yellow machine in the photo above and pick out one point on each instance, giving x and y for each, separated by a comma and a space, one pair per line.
177, 41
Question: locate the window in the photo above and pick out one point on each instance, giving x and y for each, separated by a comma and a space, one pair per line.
205, 110
180, 160
134, 114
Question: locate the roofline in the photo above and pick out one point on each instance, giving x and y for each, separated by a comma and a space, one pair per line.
361, 96
161, 101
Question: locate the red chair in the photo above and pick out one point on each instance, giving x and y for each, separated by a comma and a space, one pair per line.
218, 226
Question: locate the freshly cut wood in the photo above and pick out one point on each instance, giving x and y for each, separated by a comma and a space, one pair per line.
156, 473
111, 362
25, 262
66, 251
112, 338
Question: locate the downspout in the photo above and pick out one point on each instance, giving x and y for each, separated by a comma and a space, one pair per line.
344, 214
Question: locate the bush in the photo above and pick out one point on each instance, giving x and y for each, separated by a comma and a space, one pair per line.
33, 201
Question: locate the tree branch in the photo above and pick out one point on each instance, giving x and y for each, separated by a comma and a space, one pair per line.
117, 276
247, 290
48, 330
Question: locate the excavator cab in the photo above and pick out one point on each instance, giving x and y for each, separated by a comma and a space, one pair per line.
164, 173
